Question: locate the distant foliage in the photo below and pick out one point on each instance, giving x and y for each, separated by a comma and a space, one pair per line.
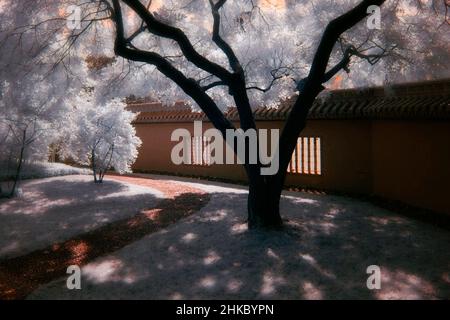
101, 136
99, 62
31, 119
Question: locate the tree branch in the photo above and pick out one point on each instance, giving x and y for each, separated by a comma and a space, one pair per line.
166, 31
213, 85
219, 41
189, 86
275, 78
237, 85
312, 84
331, 35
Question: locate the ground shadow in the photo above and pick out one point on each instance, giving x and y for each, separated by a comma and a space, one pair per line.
56, 209
21, 275
323, 253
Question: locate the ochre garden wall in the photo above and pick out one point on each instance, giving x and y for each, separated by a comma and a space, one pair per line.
408, 161
411, 162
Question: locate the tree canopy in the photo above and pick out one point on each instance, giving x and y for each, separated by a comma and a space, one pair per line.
274, 42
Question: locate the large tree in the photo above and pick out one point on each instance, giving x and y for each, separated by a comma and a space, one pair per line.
264, 191
246, 53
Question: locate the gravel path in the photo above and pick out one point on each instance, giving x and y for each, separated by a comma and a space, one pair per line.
323, 253
56, 209
22, 274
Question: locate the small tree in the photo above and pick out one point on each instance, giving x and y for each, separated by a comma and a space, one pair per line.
102, 137
21, 136
29, 123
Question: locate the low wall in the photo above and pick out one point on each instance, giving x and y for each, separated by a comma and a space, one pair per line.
408, 161
411, 162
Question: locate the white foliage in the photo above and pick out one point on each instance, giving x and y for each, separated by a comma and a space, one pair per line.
101, 136
31, 117
264, 34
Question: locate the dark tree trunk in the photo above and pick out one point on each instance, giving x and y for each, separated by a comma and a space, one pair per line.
263, 203
263, 207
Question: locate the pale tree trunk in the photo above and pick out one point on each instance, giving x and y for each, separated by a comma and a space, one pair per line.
19, 165
110, 153
94, 166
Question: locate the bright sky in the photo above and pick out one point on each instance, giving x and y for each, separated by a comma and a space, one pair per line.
2, 5
273, 3
156, 4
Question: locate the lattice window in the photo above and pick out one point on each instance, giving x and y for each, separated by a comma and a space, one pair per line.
307, 157
201, 151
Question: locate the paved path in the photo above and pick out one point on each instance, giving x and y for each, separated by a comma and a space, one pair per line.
21, 275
